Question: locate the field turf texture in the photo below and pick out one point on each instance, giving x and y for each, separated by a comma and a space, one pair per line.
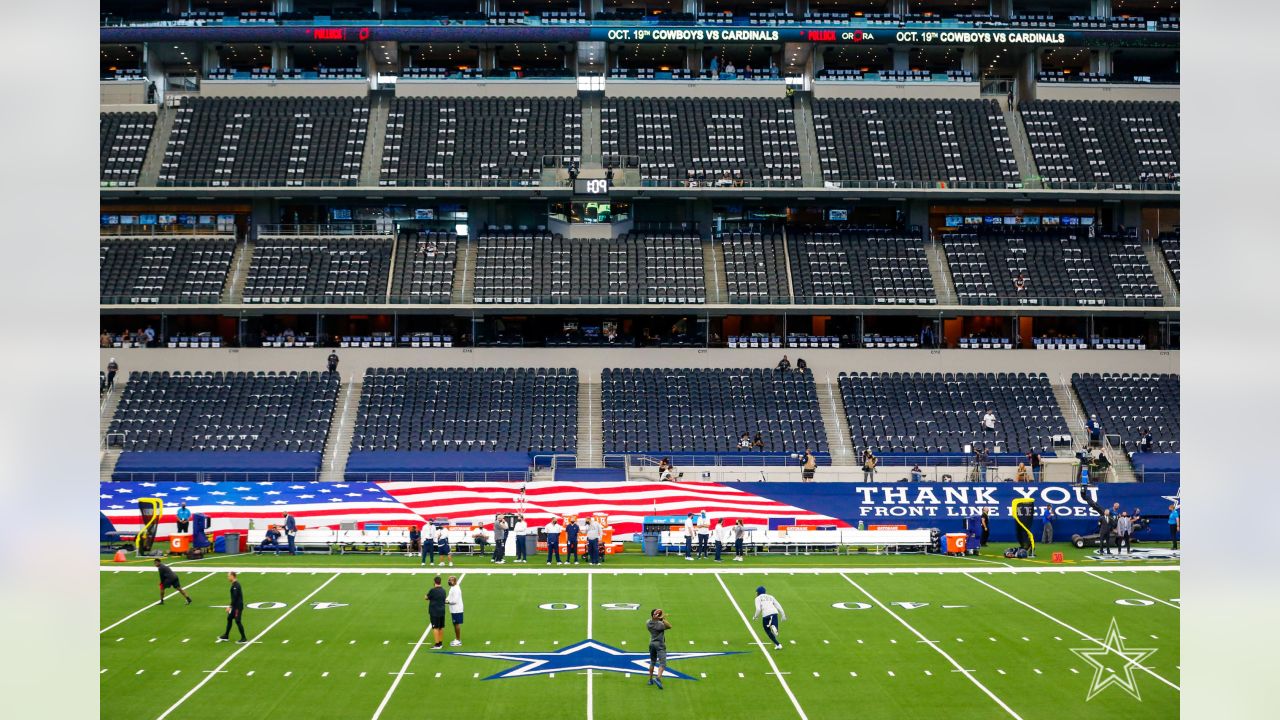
868, 636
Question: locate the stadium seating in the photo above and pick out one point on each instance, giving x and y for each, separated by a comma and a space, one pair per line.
941, 413
754, 266
1108, 142
123, 139
472, 409
470, 141
424, 267
266, 141
240, 411
1171, 246
664, 410
1059, 265
719, 141
1128, 404
539, 267
896, 140
859, 267
318, 270
170, 270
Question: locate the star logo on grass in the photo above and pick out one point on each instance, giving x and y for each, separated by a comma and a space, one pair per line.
585, 655
1105, 676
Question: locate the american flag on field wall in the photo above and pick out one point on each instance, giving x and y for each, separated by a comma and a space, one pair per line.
626, 503
232, 505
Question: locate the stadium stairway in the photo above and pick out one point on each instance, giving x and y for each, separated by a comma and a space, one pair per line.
940, 270
107, 410
592, 157
839, 440
371, 162
806, 140
1164, 275
1022, 149
590, 422
1072, 411
149, 176
464, 285
338, 446
713, 266
785, 249
233, 290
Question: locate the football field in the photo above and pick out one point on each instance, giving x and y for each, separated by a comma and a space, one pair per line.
869, 637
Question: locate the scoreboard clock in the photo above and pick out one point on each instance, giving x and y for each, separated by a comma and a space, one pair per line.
591, 186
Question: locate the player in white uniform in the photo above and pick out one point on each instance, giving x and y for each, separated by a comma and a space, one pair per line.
768, 608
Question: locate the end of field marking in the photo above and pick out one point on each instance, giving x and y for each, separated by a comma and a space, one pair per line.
287, 673
824, 642
353, 642
249, 674
362, 674
140, 671
324, 674
1077, 672
386, 642
859, 641
319, 641
704, 674
895, 642
959, 639
284, 642
152, 640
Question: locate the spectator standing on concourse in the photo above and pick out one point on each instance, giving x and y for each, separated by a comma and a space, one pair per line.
868, 465
916, 473
112, 368
810, 466
1095, 430
333, 361
1033, 459
801, 364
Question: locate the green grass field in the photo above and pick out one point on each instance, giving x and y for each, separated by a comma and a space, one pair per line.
868, 636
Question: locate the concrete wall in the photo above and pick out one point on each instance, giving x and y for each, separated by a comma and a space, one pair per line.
824, 363
122, 92
284, 88
486, 88
696, 88
1112, 92
131, 108
874, 90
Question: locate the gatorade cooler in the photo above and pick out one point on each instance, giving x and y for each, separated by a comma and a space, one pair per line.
955, 543
179, 544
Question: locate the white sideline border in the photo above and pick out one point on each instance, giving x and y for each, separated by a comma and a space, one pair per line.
673, 570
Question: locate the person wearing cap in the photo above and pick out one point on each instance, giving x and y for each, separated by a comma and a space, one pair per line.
1095, 430
112, 368
739, 530
769, 610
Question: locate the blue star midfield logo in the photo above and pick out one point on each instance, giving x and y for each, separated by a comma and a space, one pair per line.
585, 655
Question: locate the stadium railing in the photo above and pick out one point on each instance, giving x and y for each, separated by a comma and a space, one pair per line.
352, 229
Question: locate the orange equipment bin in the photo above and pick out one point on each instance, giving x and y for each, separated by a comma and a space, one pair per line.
179, 544
955, 543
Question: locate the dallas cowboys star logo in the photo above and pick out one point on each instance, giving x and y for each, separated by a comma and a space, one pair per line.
586, 655
1103, 676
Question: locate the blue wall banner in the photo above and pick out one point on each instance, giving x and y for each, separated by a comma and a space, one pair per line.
946, 505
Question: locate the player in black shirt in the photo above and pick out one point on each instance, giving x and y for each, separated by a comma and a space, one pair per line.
435, 608
657, 627
169, 579
235, 610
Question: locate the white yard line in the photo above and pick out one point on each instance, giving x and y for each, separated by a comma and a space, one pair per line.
591, 708
764, 649
210, 675
959, 668
405, 667
1083, 635
833, 570
168, 597
1134, 590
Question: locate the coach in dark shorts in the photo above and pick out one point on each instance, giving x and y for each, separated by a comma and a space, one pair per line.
658, 627
435, 608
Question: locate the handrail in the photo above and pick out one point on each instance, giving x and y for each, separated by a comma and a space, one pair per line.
337, 229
